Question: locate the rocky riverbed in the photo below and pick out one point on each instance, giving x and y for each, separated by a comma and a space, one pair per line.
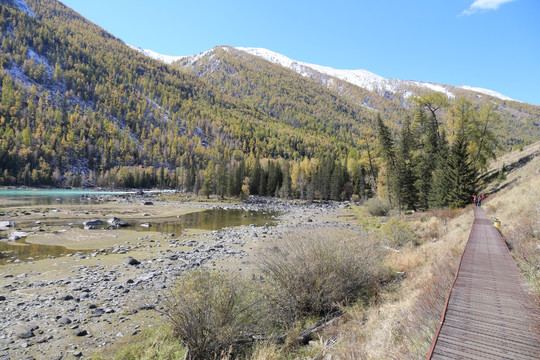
71, 306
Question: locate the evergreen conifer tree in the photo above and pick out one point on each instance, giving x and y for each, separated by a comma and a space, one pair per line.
461, 176
438, 195
407, 193
425, 154
387, 150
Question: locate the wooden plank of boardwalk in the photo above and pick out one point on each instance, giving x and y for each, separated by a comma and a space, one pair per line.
490, 312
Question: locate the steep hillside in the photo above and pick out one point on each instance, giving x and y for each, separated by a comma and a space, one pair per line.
520, 122
79, 105
281, 93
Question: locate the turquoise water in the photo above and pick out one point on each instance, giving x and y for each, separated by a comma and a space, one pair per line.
204, 220
19, 197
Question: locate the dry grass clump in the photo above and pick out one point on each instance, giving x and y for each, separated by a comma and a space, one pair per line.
157, 343
314, 274
402, 326
396, 233
402, 323
377, 207
266, 351
213, 314
518, 208
306, 277
525, 245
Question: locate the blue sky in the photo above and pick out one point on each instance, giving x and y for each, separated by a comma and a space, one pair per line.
494, 44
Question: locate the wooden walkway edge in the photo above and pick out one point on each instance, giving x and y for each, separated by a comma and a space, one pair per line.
489, 312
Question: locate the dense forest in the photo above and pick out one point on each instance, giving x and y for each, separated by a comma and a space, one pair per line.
289, 96
78, 107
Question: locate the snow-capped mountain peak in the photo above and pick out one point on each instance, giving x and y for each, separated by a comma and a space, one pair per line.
167, 59
487, 92
362, 78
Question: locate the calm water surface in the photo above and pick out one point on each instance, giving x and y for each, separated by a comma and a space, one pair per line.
21, 197
204, 220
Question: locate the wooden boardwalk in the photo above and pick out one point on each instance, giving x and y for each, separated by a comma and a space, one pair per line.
489, 313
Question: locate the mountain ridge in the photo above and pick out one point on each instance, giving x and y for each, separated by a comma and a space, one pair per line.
79, 106
359, 77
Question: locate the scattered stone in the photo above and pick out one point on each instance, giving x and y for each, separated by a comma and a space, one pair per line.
5, 225
66, 297
117, 222
80, 332
146, 225
171, 257
26, 335
16, 235
131, 261
64, 321
93, 222
147, 203
98, 312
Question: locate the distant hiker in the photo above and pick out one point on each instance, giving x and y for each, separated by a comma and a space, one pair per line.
480, 199
474, 200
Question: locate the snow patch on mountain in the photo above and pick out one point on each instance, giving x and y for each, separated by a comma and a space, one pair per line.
21, 4
167, 59
486, 92
362, 78
434, 87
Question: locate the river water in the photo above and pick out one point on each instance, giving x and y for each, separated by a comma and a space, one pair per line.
204, 220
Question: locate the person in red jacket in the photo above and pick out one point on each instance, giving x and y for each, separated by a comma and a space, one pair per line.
474, 200
480, 198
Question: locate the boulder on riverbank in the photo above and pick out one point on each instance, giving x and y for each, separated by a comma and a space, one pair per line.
131, 261
117, 222
93, 223
16, 235
5, 225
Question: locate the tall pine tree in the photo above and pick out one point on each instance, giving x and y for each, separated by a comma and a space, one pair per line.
407, 192
461, 176
388, 153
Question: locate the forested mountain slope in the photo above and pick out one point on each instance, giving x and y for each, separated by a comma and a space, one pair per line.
80, 107
78, 101
246, 73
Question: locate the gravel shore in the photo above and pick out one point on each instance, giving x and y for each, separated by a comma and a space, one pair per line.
72, 306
